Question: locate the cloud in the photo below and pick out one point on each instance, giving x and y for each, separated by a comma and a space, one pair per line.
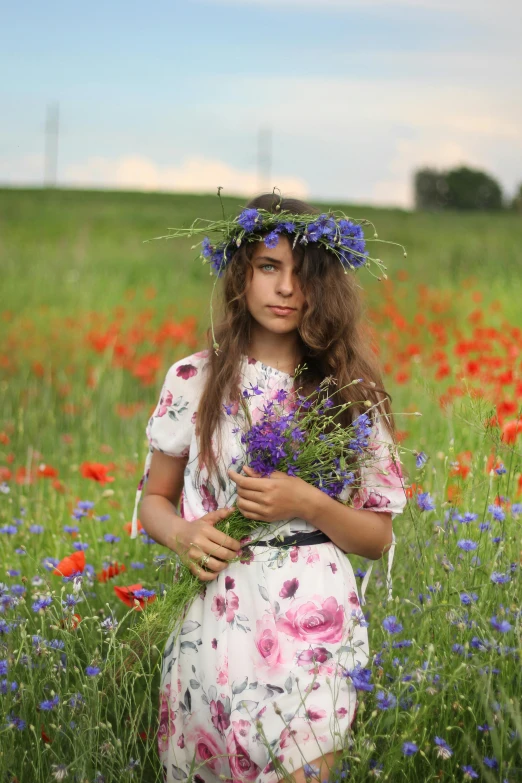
195, 174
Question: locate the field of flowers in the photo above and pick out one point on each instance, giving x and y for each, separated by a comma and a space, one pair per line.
91, 318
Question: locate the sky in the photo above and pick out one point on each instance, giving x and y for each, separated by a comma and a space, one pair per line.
324, 99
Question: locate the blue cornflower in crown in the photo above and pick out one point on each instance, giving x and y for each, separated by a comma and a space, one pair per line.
341, 235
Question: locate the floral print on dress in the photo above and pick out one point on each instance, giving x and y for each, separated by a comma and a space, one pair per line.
263, 657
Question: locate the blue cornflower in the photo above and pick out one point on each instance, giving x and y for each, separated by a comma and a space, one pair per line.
458, 648
496, 512
137, 565
486, 728
15, 722
206, 248
103, 518
469, 772
36, 529
148, 539
9, 530
409, 748
310, 771
443, 749
516, 508
143, 593
361, 678
42, 603
92, 671
70, 600
110, 538
13, 572
467, 544
391, 624
80, 545
4, 666
71, 529
500, 579
386, 701
500, 625
76, 700
271, 239
55, 644
50, 704
484, 526
85, 505
468, 517
500, 470
49, 563
250, 219
420, 459
496, 539
491, 763
425, 501
468, 598
8, 686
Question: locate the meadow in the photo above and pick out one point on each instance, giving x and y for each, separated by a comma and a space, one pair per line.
91, 318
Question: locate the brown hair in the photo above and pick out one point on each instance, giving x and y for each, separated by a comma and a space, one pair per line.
334, 336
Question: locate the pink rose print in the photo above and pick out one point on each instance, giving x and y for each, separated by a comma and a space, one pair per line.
209, 501
294, 554
241, 727
341, 712
164, 403
266, 640
353, 599
289, 588
207, 748
166, 720
314, 713
220, 605
241, 765
314, 620
229, 583
222, 672
220, 718
181, 741
315, 655
214, 644
186, 371
333, 566
296, 733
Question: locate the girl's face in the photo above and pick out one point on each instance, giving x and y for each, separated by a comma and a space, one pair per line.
274, 281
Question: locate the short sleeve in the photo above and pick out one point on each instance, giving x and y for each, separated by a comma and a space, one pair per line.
171, 425
382, 485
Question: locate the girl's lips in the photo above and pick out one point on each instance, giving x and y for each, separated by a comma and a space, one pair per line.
282, 310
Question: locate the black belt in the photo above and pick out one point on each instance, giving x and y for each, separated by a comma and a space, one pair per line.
298, 539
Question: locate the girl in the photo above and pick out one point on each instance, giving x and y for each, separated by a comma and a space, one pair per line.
258, 681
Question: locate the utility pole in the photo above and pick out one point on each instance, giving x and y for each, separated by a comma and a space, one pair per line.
52, 129
264, 158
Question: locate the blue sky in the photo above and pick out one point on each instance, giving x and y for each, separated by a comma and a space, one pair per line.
172, 96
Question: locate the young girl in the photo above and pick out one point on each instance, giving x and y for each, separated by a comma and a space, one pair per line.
258, 679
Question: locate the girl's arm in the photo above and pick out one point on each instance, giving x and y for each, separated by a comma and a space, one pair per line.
355, 531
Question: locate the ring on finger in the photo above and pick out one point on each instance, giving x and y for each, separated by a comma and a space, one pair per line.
204, 560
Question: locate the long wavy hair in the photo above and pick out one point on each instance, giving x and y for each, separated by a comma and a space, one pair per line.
334, 336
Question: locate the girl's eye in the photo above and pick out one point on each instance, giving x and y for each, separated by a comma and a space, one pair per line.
265, 265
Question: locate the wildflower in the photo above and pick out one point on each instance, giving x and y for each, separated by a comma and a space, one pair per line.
500, 625
71, 529
500, 579
467, 544
110, 538
310, 771
50, 704
4, 666
80, 546
467, 598
92, 671
391, 625
250, 219
144, 593
42, 603
409, 748
469, 772
420, 459
443, 749
386, 701
15, 722
361, 678
491, 763
496, 512
137, 565
516, 508
59, 771
468, 517
425, 501
36, 529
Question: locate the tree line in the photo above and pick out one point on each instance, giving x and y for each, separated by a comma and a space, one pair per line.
461, 188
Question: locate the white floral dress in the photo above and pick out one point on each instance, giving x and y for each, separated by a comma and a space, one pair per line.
259, 670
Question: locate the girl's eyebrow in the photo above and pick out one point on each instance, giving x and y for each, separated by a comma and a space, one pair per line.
268, 258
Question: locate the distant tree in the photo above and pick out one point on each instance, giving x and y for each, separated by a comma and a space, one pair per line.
430, 189
472, 189
516, 204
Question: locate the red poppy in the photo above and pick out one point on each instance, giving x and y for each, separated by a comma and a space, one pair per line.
126, 594
97, 471
108, 573
71, 622
511, 429
44, 736
71, 564
128, 527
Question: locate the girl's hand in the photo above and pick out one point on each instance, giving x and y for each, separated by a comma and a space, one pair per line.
200, 538
271, 499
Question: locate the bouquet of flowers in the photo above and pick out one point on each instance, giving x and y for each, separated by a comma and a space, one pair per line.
302, 439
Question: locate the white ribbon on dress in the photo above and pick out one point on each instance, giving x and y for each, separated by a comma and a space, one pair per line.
367, 575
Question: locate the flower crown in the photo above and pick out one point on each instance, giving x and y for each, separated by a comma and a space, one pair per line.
341, 235
333, 230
